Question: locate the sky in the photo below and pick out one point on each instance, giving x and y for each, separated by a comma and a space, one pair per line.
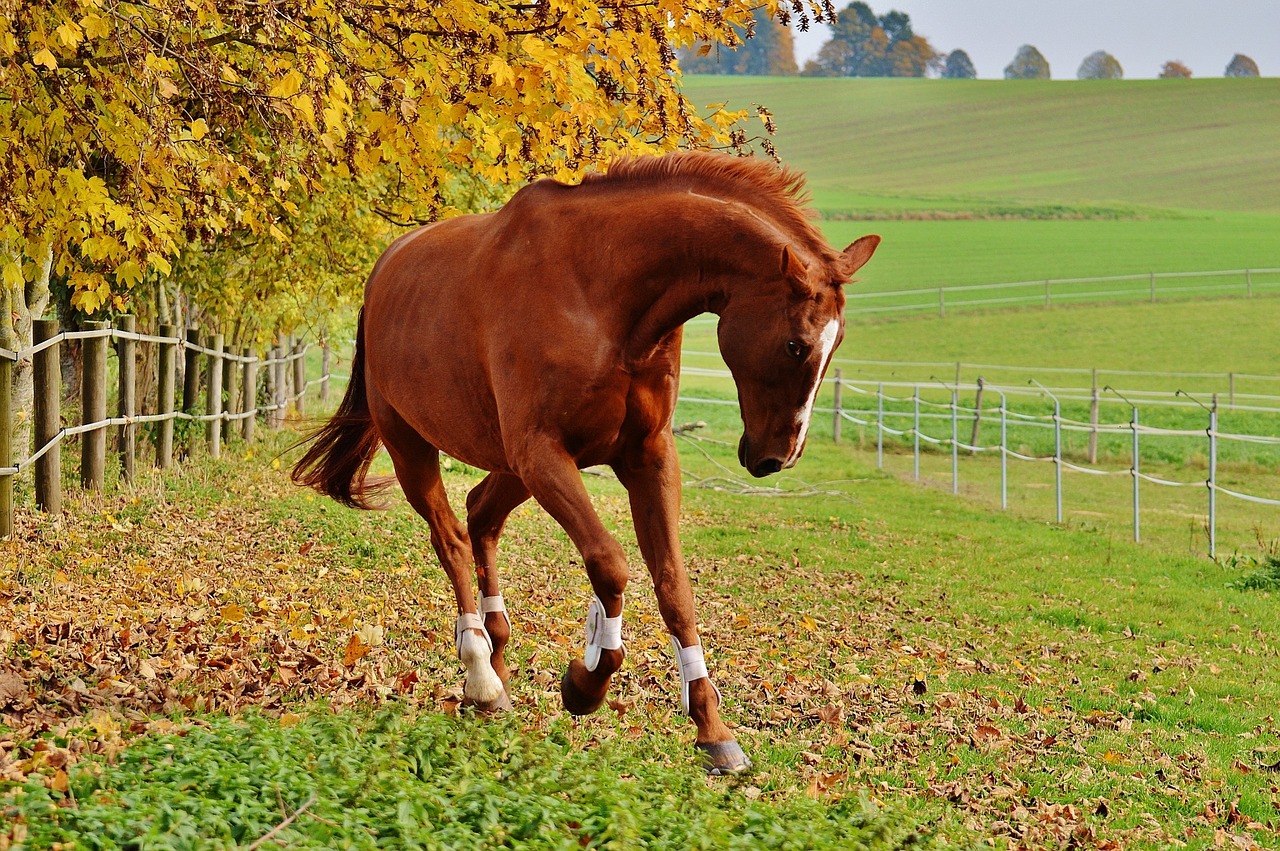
1142, 34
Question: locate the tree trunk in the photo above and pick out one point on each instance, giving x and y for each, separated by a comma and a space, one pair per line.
32, 305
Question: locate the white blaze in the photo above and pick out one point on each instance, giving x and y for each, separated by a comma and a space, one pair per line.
827, 341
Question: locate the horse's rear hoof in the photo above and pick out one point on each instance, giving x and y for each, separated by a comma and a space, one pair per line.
723, 758
578, 700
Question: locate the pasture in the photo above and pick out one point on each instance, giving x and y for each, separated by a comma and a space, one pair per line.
926, 671
222, 659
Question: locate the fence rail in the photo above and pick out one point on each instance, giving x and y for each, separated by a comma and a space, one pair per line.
1151, 286
924, 422
237, 376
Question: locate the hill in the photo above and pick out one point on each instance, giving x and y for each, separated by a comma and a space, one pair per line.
996, 146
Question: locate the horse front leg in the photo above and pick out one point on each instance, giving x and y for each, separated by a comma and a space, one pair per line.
553, 479
652, 478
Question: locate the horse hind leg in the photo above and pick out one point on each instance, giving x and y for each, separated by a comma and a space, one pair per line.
488, 506
417, 465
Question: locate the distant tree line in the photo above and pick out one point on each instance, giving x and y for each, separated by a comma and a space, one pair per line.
864, 44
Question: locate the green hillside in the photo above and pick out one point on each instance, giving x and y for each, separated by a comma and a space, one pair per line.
974, 182
929, 145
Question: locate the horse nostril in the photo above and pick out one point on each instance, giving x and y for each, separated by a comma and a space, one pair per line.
767, 467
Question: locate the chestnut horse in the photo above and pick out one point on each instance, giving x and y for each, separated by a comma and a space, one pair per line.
544, 338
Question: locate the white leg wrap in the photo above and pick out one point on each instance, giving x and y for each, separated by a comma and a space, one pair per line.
482, 683
495, 604
603, 633
693, 666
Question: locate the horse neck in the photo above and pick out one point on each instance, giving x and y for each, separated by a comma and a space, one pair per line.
699, 257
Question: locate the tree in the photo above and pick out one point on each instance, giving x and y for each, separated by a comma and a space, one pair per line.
1241, 66
763, 47
135, 134
1100, 65
863, 45
1173, 69
958, 66
1027, 64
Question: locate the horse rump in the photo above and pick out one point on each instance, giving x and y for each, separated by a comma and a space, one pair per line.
337, 462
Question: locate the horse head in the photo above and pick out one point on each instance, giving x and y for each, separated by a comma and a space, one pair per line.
778, 341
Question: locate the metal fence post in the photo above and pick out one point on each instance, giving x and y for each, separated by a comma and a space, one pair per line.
1057, 455
837, 422
977, 417
880, 426
1093, 420
1137, 480
955, 443
915, 431
1004, 453
1213, 478
1153, 287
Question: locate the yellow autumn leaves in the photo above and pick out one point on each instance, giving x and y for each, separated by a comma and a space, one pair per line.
129, 130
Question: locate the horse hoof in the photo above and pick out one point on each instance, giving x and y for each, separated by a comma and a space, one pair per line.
578, 701
501, 704
723, 758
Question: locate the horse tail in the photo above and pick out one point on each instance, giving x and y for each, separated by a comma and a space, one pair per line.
337, 462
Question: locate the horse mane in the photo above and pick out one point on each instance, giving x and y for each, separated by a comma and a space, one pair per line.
775, 190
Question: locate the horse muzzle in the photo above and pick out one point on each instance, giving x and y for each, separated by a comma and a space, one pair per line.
755, 465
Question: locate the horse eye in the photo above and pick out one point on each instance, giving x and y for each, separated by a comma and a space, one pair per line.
796, 350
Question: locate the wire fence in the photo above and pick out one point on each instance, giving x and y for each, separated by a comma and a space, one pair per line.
931, 419
1152, 287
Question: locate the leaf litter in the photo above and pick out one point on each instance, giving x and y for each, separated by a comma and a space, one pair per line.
139, 613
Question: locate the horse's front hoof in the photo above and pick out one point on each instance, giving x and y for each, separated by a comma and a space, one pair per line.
501, 704
723, 758
579, 700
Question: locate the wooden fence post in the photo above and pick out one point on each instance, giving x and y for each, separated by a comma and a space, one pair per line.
93, 409
249, 389
230, 383
977, 418
167, 364
213, 397
47, 377
191, 383
6, 446
281, 391
300, 376
126, 361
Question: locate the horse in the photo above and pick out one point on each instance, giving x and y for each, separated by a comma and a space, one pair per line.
544, 338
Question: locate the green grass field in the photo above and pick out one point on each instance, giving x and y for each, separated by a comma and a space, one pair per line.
216, 657
976, 182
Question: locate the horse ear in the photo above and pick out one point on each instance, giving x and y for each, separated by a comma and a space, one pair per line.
856, 255
792, 266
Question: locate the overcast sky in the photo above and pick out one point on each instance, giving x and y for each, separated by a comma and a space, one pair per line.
1142, 34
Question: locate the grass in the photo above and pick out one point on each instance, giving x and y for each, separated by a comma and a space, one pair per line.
1169, 144
898, 664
